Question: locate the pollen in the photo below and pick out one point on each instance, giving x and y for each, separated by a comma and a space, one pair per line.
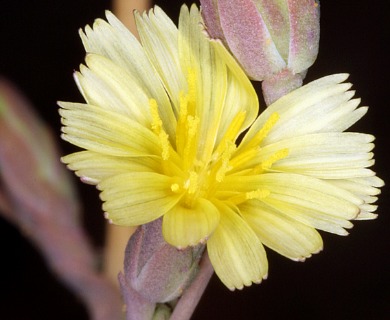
225, 161
252, 148
175, 187
165, 145
283, 153
192, 92
258, 194
157, 127
189, 152
188, 125
156, 120
192, 183
264, 131
231, 132
267, 164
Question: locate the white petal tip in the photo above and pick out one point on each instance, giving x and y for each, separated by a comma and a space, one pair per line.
108, 13
364, 215
342, 76
258, 281
88, 180
301, 259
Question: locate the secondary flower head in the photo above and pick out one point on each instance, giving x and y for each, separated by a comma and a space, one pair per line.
161, 130
274, 41
266, 36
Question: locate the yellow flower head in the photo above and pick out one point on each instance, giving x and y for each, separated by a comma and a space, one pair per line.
162, 128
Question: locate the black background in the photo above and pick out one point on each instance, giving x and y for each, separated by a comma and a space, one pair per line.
40, 48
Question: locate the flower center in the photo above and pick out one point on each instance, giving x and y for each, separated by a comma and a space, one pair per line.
194, 178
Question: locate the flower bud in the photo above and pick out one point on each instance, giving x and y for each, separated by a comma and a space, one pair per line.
267, 37
156, 270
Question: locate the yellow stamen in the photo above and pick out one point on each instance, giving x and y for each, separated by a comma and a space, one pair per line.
263, 132
175, 188
192, 92
251, 150
157, 127
283, 153
243, 157
188, 123
190, 149
165, 145
156, 120
258, 194
230, 147
192, 183
181, 123
267, 164
232, 131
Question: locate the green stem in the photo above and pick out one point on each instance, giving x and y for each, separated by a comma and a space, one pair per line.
192, 295
278, 85
137, 306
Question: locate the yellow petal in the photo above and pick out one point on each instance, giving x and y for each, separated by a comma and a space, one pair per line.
107, 85
282, 234
311, 214
332, 155
184, 226
222, 89
299, 109
115, 42
366, 188
363, 187
159, 39
326, 155
309, 200
363, 215
209, 78
106, 132
298, 186
136, 198
235, 252
240, 94
325, 109
93, 167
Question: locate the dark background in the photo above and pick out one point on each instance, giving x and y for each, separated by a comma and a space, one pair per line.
40, 48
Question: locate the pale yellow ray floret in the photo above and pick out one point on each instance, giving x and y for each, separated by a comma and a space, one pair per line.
161, 127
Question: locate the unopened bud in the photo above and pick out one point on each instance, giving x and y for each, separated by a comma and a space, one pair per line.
267, 37
156, 270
